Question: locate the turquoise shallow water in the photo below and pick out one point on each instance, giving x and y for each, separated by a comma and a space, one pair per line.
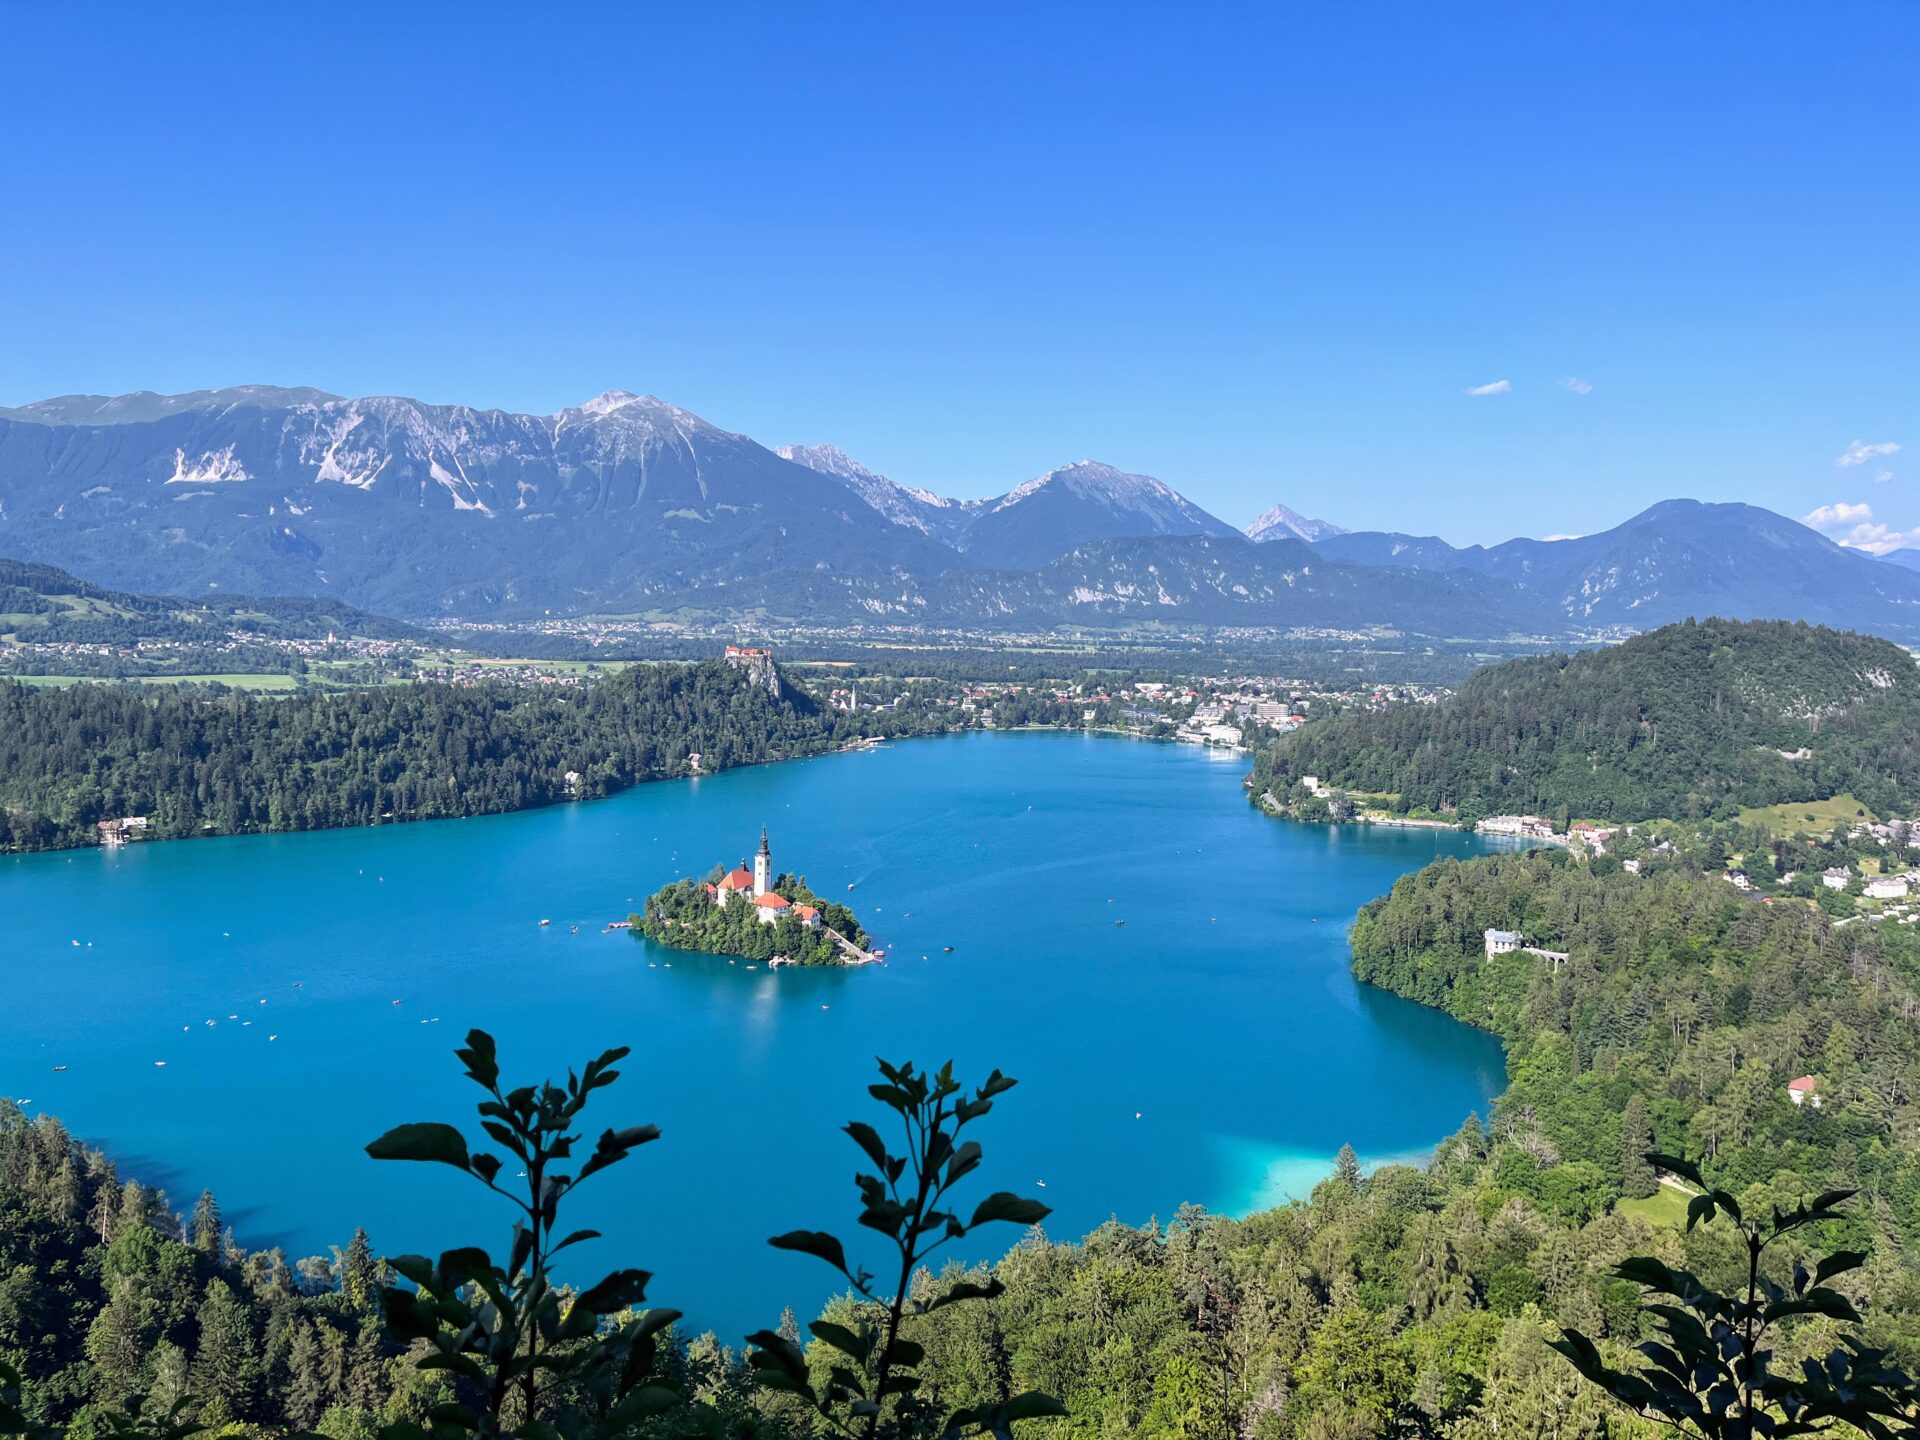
1222, 1012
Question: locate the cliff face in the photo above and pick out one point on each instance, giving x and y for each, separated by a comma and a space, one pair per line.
759, 669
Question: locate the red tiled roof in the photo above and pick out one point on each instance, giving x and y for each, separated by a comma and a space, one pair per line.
805, 912
1805, 1082
736, 880
772, 902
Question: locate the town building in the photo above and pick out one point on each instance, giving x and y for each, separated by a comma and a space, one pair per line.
1804, 1091
1836, 878
1504, 942
755, 887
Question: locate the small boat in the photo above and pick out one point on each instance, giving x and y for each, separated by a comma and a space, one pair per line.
850, 884
58, 1068
1119, 922
161, 1063
946, 949
546, 922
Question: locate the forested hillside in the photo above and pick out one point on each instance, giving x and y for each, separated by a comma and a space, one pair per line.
1679, 1001
48, 606
1693, 720
234, 763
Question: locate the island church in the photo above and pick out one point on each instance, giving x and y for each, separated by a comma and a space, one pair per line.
755, 887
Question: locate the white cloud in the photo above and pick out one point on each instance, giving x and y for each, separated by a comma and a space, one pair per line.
1577, 385
1859, 452
1853, 526
1883, 477
1559, 537
1498, 387
1832, 517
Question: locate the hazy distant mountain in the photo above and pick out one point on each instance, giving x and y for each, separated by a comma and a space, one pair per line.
629, 505
1680, 558
1076, 505
1278, 522
1404, 552
1905, 558
145, 405
1166, 580
1032, 523
414, 509
921, 510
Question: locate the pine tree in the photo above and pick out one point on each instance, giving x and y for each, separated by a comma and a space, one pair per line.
117, 1341
359, 1273
366, 1375
135, 1210
223, 1364
1346, 1168
1637, 1180
206, 1224
305, 1396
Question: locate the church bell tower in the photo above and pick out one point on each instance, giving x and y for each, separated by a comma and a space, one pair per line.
763, 867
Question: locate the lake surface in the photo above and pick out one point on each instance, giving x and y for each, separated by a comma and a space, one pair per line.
342, 968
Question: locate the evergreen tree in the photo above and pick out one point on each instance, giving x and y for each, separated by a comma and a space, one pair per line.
359, 1273
1346, 1168
135, 1211
305, 1395
206, 1224
223, 1363
1637, 1180
117, 1342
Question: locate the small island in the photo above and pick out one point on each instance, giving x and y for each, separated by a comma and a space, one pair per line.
757, 916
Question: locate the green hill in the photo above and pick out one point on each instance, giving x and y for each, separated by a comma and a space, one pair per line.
40, 604
1697, 719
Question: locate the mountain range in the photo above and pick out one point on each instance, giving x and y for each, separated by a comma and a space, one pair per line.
629, 505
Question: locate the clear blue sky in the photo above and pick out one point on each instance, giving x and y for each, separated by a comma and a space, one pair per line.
1258, 251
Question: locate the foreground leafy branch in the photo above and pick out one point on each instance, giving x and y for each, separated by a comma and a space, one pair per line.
519, 1341
872, 1388
1712, 1374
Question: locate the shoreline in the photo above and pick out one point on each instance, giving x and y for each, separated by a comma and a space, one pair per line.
858, 745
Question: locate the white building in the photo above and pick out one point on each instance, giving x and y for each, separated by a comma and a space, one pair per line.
1887, 887
1504, 942
1836, 878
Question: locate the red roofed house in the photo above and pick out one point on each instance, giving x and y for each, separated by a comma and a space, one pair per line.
734, 882
1804, 1091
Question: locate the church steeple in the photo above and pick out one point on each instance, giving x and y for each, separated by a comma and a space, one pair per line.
763, 867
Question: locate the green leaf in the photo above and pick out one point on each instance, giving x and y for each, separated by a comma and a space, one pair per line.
817, 1243
619, 1290
1838, 1263
423, 1140
868, 1139
1005, 1205
965, 1290
859, 1347
1033, 1405
1678, 1165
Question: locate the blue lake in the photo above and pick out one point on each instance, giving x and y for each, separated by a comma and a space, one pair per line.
342, 968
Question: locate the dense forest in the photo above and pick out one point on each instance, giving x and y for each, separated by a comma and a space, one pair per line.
233, 764
1695, 720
